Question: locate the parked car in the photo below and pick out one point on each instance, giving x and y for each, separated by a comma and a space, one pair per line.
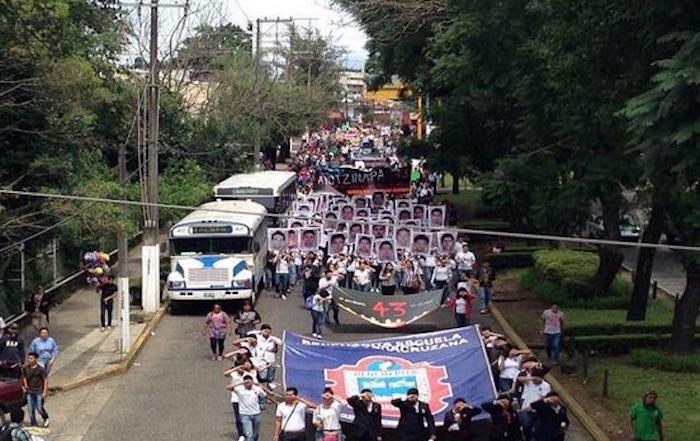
629, 230
11, 396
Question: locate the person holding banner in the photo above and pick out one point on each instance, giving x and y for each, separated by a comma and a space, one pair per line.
367, 425
459, 421
416, 422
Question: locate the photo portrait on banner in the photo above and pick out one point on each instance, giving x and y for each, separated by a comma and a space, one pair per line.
310, 239
364, 246
420, 242
436, 216
362, 214
330, 220
402, 236
405, 214
305, 210
378, 199
347, 212
337, 243
277, 239
419, 213
355, 230
385, 250
447, 241
292, 239
360, 202
379, 231
402, 203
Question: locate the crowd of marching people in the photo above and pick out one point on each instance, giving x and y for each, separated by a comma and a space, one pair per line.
526, 407
385, 244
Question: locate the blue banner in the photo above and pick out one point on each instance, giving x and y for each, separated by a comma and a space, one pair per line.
442, 365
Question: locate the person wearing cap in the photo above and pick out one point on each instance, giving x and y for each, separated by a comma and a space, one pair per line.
249, 396
552, 417
11, 352
459, 420
367, 425
646, 419
416, 422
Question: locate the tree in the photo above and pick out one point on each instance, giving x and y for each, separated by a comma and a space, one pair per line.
665, 123
210, 45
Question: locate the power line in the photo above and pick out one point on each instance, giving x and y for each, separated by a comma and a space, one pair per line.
428, 229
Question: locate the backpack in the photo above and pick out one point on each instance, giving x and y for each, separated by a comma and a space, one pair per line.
308, 304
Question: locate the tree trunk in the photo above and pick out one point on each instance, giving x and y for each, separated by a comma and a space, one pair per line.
637, 309
455, 184
610, 256
686, 311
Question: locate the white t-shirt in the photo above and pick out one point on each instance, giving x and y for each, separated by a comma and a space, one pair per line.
328, 284
533, 392
552, 321
282, 266
248, 402
292, 421
362, 276
237, 379
465, 260
267, 347
460, 305
330, 416
511, 367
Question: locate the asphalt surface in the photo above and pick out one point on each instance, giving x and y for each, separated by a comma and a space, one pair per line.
176, 392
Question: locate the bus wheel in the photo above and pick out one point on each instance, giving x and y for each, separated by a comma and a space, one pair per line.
175, 307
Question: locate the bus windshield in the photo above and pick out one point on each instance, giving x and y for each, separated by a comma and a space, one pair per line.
210, 245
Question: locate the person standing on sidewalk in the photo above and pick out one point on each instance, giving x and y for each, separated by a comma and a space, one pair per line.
646, 419
290, 417
217, 325
35, 383
11, 352
486, 276
552, 326
249, 397
38, 307
46, 347
108, 291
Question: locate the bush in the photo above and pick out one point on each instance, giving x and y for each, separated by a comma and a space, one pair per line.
663, 361
561, 276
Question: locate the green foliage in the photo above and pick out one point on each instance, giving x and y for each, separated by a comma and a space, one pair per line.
561, 276
183, 184
207, 49
663, 361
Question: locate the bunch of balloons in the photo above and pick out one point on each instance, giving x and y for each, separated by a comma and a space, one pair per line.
96, 267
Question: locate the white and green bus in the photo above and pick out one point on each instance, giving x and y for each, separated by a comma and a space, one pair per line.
274, 189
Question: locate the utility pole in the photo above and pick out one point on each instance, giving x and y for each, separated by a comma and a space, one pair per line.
150, 251
258, 61
123, 268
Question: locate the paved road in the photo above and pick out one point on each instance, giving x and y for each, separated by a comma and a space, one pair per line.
176, 392
668, 269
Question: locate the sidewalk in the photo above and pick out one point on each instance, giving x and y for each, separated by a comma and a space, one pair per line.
668, 270
75, 325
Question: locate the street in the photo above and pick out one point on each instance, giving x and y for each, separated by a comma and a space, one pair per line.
175, 392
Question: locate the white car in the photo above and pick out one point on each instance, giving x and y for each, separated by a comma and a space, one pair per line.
629, 230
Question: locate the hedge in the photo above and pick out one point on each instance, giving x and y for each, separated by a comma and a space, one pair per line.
651, 358
561, 276
620, 344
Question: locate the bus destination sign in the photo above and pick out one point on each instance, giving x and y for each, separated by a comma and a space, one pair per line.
244, 191
212, 229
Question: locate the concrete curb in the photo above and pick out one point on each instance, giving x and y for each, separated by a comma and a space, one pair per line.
574, 406
126, 362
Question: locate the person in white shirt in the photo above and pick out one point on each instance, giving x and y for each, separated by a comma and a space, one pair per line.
282, 262
328, 284
533, 388
465, 259
326, 417
290, 417
267, 348
362, 277
249, 396
237, 373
